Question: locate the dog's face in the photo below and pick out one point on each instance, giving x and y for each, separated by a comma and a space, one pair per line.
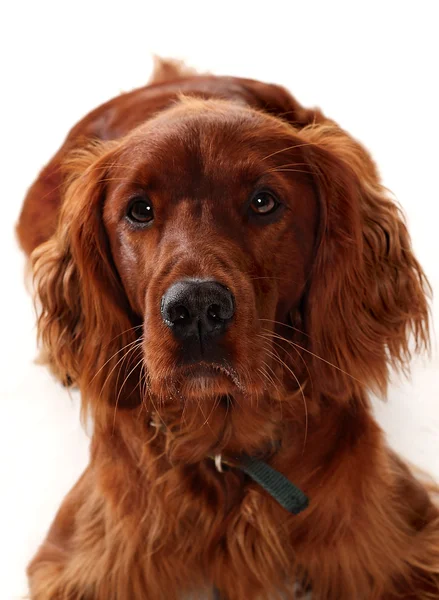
212, 221
217, 260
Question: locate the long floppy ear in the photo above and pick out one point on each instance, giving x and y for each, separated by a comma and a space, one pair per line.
276, 100
367, 291
84, 322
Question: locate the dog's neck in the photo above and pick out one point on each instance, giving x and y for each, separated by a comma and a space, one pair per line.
281, 489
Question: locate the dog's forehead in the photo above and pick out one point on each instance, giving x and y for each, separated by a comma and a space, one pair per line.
204, 143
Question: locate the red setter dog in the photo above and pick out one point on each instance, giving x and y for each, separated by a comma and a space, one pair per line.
220, 272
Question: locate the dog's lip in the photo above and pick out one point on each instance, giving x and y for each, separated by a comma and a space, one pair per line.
210, 370
206, 369
202, 370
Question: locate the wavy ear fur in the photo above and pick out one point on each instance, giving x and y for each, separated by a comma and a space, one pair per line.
81, 303
368, 291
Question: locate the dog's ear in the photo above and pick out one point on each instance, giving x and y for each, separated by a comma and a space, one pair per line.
277, 101
367, 291
83, 322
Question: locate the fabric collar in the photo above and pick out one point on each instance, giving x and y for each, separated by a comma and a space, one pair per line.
281, 489
288, 495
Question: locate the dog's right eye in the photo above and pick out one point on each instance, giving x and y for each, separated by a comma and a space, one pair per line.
140, 211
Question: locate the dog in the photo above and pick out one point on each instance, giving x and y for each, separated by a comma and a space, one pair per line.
222, 275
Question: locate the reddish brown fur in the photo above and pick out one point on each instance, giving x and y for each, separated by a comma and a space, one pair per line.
326, 298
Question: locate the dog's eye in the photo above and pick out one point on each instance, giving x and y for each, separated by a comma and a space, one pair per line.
264, 203
140, 211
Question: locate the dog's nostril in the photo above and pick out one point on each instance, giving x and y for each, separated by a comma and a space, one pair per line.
214, 311
178, 314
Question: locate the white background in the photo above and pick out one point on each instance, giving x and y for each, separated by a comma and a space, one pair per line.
371, 66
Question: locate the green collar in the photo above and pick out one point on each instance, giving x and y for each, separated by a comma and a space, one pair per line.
274, 483
289, 496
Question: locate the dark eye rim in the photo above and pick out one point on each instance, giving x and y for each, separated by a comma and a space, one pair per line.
260, 215
132, 219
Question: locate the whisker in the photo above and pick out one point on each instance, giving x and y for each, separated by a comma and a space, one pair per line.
285, 325
111, 357
121, 388
271, 278
277, 170
215, 405
294, 164
273, 383
110, 165
141, 389
116, 386
157, 412
227, 407
312, 353
133, 348
270, 335
280, 403
269, 376
289, 148
125, 331
327, 362
110, 179
265, 377
274, 375
141, 382
277, 357
63, 172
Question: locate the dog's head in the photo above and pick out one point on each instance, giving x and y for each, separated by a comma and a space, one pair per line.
216, 264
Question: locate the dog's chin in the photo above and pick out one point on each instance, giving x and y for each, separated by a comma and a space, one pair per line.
204, 380
208, 411
200, 381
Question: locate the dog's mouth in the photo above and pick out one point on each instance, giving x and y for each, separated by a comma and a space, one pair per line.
207, 378
210, 370
200, 379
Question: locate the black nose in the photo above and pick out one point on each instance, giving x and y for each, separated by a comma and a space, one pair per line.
198, 310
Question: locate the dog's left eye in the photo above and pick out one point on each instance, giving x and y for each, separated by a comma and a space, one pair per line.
140, 211
264, 203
